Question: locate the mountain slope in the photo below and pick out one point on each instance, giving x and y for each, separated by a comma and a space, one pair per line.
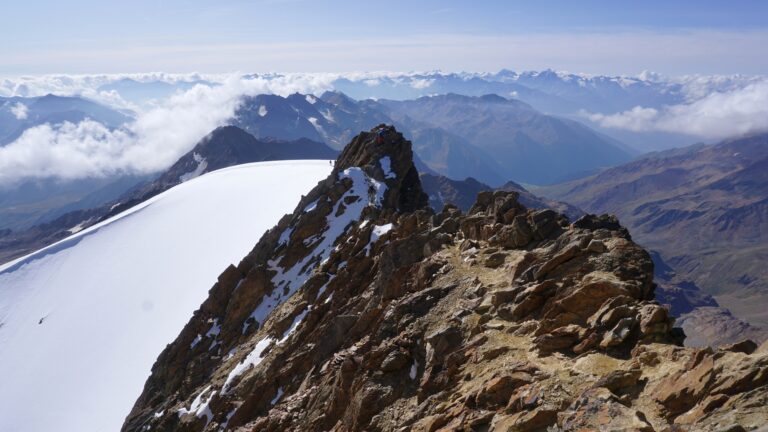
702, 207
704, 321
364, 310
224, 147
530, 146
268, 115
452, 155
82, 321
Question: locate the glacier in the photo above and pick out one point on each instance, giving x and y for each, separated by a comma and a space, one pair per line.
83, 320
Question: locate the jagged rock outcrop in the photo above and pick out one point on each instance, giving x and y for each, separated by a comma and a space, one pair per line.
366, 310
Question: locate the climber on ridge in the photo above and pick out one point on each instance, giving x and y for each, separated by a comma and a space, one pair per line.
380, 136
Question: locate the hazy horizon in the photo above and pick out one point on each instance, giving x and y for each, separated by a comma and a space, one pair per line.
596, 37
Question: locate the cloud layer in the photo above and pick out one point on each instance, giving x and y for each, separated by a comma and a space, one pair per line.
713, 115
156, 139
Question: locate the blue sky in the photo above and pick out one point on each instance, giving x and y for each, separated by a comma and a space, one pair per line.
672, 37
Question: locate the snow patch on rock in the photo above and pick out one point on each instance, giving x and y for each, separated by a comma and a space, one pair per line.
251, 360
376, 233
386, 166
277, 396
202, 164
200, 406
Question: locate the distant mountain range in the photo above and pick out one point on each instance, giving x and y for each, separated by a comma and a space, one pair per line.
334, 118
703, 208
548, 90
528, 146
224, 147
551, 92
490, 138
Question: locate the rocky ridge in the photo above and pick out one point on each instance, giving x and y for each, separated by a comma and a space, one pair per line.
366, 310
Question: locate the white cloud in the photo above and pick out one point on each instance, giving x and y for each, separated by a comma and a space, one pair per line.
715, 115
421, 84
156, 139
19, 111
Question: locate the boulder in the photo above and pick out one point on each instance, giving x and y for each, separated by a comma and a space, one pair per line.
619, 333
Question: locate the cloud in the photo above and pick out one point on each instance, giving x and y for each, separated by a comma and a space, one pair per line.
156, 139
19, 111
420, 84
714, 115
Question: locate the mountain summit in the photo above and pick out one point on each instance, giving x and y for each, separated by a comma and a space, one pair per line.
366, 310
386, 156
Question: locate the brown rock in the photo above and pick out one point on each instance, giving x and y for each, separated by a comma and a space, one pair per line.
498, 390
599, 409
500, 297
526, 397
559, 339
683, 390
619, 333
536, 420
594, 291
748, 377
443, 341
596, 246
495, 260
703, 408
396, 360
620, 381
588, 343
526, 306
568, 253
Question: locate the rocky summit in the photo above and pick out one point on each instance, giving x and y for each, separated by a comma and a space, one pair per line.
365, 310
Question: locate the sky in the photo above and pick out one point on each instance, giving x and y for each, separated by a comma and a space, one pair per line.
599, 37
